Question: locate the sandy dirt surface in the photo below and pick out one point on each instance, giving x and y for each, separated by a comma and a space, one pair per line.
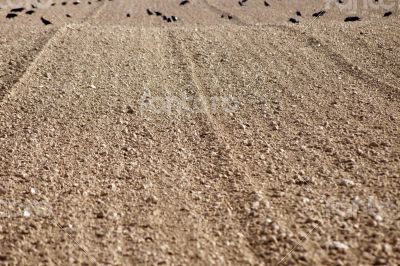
228, 137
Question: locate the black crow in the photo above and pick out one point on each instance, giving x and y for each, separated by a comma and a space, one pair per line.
30, 12
350, 19
53, 4
68, 15
340, 1
298, 13
174, 18
294, 21
184, 2
11, 15
63, 3
128, 15
230, 17
89, 3
19, 9
45, 21
222, 16
158, 13
389, 13
77, 2
319, 14
266, 3
149, 12
169, 19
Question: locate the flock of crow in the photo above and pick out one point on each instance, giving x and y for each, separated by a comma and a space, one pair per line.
164, 17
322, 12
295, 20
15, 11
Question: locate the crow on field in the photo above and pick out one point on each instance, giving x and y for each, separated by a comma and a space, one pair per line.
319, 14
128, 15
294, 21
184, 2
19, 9
68, 15
158, 13
149, 12
89, 3
170, 18
53, 4
387, 14
45, 21
230, 17
266, 3
77, 2
11, 15
63, 3
30, 12
298, 13
350, 19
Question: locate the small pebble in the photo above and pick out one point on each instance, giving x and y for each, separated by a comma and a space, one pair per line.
26, 213
338, 245
152, 199
346, 183
255, 205
378, 218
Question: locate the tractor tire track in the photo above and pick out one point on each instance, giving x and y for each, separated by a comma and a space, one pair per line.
391, 91
45, 45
